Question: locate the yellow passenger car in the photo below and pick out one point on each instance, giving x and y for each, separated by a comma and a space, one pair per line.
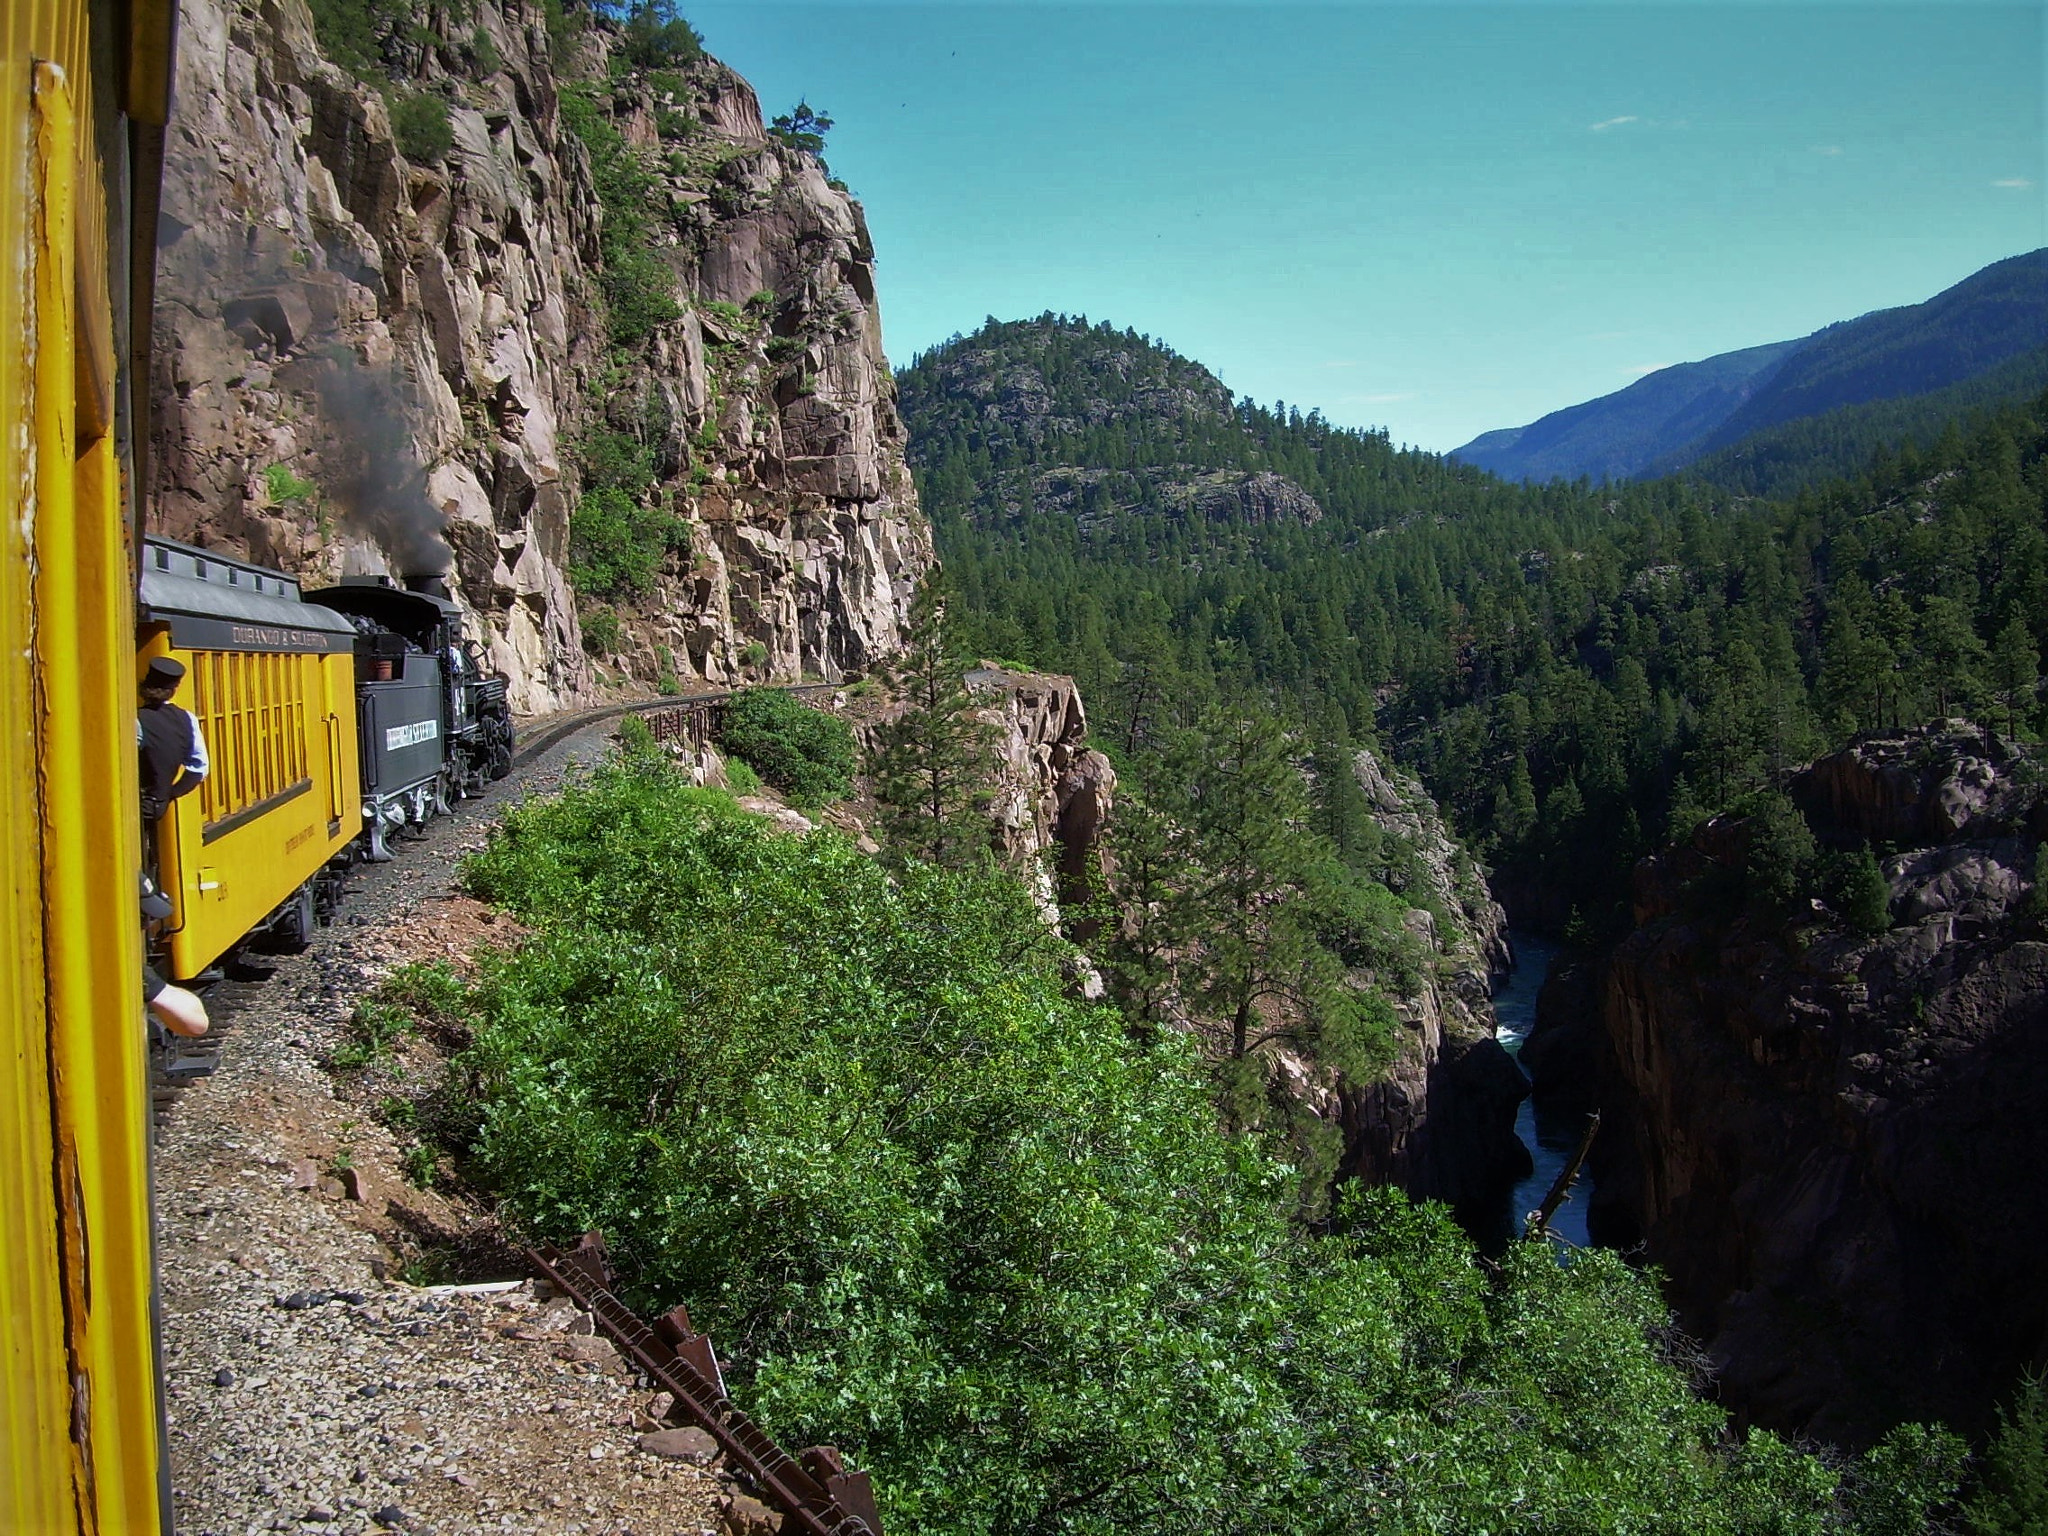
270, 682
84, 94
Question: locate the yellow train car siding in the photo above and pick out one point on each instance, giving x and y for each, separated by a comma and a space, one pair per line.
283, 795
80, 1441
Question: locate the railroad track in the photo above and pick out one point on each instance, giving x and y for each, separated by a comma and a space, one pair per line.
560, 726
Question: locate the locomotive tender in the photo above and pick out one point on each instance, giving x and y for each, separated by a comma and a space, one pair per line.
348, 713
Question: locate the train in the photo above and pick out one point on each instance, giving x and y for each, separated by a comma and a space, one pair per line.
336, 720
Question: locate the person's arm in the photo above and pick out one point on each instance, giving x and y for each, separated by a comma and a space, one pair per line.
196, 765
179, 1011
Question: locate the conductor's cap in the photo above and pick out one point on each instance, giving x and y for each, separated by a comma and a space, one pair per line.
164, 670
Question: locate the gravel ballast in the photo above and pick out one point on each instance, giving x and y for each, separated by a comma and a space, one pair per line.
309, 1388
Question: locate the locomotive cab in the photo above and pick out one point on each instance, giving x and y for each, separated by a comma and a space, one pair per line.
432, 726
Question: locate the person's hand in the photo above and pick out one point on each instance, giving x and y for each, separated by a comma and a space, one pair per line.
179, 1011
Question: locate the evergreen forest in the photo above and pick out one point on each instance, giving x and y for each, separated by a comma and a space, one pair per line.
1578, 672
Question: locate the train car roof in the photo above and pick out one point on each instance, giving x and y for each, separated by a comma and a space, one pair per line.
212, 602
395, 606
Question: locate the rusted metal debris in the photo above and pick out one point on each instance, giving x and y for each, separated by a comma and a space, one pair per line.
1539, 1219
815, 1492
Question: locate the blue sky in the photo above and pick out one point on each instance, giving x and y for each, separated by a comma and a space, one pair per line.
1436, 218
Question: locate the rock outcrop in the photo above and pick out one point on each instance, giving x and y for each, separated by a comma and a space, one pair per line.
1053, 792
366, 361
1441, 1123
1830, 1141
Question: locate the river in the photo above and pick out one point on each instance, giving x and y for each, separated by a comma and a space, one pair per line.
1551, 1138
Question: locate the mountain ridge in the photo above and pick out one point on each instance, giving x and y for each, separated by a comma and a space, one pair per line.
1666, 421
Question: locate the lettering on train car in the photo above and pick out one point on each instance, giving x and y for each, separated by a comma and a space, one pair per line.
268, 637
298, 840
411, 735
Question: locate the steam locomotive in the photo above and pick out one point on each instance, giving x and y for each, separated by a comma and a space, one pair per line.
335, 719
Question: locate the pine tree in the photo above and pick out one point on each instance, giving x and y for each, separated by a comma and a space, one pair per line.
1951, 656
930, 764
2015, 672
1142, 943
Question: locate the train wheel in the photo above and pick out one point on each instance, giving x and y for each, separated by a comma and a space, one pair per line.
498, 745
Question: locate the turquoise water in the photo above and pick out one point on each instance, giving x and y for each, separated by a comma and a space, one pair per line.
1550, 1138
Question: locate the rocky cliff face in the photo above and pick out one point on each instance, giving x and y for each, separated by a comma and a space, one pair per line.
366, 362
1830, 1141
1053, 792
1441, 1124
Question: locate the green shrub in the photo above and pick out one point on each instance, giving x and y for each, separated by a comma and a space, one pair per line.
485, 51
617, 546
1854, 887
353, 32
804, 752
600, 630
2011, 1498
741, 779
944, 1215
753, 653
638, 284
615, 461
420, 124
636, 740
284, 487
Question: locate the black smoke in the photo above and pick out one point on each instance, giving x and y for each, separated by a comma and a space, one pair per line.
370, 475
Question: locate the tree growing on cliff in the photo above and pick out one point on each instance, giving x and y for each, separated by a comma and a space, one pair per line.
930, 764
801, 128
657, 37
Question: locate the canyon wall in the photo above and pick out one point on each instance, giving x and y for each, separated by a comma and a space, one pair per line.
368, 363
1441, 1123
1831, 1140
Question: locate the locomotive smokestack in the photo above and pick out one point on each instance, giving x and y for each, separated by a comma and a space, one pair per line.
428, 583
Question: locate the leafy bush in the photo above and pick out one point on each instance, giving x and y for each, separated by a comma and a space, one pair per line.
616, 546
353, 32
741, 779
600, 630
937, 1211
284, 487
639, 286
806, 753
420, 124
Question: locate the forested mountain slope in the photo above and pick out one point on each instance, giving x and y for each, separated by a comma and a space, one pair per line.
1575, 672
1966, 334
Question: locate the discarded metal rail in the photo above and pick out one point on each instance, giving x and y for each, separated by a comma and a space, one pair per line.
816, 1493
1539, 1219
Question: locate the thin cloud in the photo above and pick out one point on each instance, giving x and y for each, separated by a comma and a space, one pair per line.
1390, 398
1829, 150
1341, 362
1613, 122
1645, 370
2019, 182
